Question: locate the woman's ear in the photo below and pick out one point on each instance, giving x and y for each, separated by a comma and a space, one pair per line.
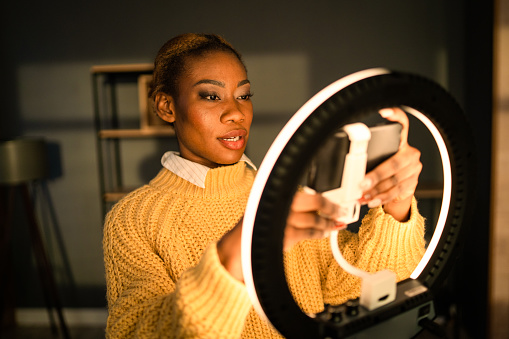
165, 107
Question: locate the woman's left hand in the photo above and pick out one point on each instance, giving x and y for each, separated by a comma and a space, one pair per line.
393, 182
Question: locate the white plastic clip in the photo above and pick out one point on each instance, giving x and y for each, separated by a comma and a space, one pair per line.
379, 288
348, 195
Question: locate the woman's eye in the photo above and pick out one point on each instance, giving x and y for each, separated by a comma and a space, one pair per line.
246, 96
208, 96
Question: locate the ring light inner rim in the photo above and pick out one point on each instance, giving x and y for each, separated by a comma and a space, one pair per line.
444, 210
447, 190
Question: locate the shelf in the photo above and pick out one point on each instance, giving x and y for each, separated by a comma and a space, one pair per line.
122, 68
136, 133
429, 191
117, 195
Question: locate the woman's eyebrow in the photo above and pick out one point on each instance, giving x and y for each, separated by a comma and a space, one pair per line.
243, 82
212, 82
220, 83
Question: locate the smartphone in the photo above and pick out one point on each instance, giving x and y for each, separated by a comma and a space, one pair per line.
326, 169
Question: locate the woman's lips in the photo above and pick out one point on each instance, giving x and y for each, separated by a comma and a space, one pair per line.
234, 140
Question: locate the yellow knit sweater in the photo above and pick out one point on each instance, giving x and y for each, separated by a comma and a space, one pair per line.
164, 278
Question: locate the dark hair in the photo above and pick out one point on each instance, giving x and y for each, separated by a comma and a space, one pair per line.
170, 61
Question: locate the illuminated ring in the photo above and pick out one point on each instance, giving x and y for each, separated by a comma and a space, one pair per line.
348, 100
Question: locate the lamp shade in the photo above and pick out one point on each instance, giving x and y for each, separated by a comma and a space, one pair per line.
22, 160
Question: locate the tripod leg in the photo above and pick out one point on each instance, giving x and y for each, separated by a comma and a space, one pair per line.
58, 236
43, 263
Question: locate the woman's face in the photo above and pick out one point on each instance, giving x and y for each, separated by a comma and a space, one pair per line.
213, 111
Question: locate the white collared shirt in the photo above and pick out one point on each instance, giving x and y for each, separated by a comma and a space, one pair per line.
191, 171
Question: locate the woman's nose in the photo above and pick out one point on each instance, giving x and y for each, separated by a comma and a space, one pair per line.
232, 112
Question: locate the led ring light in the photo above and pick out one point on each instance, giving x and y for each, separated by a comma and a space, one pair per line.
343, 102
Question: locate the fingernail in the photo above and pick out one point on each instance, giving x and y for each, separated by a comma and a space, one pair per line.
338, 225
308, 190
386, 112
364, 200
366, 184
374, 203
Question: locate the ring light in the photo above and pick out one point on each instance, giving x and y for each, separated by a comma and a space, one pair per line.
446, 195
343, 102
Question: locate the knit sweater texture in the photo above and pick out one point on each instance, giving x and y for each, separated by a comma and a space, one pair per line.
165, 280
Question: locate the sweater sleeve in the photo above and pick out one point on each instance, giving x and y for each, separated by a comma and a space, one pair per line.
144, 302
385, 243
381, 243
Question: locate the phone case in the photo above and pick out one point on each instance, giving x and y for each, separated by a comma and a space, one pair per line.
326, 169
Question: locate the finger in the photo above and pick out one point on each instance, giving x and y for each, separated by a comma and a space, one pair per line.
397, 115
305, 202
396, 193
405, 175
412, 169
392, 182
400, 185
307, 220
293, 234
407, 159
391, 192
328, 209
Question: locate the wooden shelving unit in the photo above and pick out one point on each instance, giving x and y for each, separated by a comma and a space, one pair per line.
429, 191
114, 196
105, 79
135, 133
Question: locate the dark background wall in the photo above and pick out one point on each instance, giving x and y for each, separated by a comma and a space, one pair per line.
292, 49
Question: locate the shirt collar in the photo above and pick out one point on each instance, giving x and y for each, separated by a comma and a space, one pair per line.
191, 171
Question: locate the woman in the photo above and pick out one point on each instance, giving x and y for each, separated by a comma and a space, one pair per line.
172, 247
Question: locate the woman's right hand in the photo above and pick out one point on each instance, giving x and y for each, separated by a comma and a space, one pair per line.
228, 250
311, 216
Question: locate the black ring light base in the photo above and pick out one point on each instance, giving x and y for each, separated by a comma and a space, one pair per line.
340, 321
348, 105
